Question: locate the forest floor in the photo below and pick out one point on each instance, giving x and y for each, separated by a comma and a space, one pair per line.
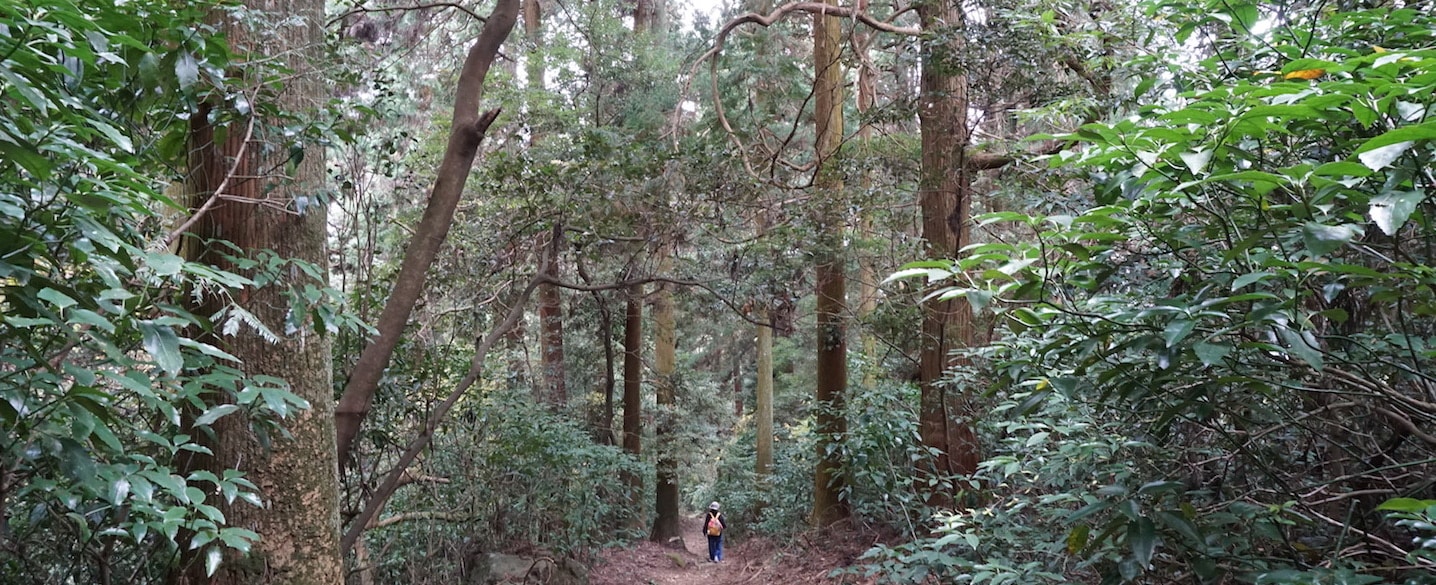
806, 560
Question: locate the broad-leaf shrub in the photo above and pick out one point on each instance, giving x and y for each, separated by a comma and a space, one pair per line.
505, 474
1242, 324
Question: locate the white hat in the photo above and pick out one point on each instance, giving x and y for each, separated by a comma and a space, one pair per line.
713, 506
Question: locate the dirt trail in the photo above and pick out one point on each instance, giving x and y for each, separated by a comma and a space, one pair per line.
748, 561
647, 563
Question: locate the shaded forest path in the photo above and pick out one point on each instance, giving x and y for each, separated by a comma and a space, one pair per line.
746, 561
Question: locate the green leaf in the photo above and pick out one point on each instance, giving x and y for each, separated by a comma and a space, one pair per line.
26, 157
1382, 157
1142, 537
1177, 330
1090, 509
1342, 168
1250, 278
163, 345
1321, 239
187, 70
1211, 354
1077, 538
1160, 486
212, 557
214, 413
116, 137
1425, 131
1182, 526
164, 264
1302, 345
1405, 505
1391, 210
60, 300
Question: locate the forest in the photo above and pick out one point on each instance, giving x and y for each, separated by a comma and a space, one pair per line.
991, 292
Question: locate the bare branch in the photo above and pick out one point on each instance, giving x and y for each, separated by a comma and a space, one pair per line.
778, 13
367, 10
429, 516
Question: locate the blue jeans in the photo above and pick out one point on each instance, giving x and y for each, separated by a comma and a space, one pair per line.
715, 548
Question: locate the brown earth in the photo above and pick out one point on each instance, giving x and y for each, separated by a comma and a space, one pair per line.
806, 560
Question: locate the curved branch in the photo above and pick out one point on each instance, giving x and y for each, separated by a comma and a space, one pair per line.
778, 13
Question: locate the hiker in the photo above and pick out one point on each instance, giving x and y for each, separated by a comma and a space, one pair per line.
713, 528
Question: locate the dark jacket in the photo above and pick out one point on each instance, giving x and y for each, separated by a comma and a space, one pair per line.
711, 514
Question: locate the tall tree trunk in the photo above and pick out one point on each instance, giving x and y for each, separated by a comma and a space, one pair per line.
832, 362
945, 197
645, 16
737, 382
633, 387
297, 473
867, 272
553, 392
467, 133
665, 362
535, 68
763, 410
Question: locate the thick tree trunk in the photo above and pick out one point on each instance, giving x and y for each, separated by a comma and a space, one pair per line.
633, 386
832, 375
645, 16
945, 197
553, 392
665, 361
467, 133
296, 474
764, 388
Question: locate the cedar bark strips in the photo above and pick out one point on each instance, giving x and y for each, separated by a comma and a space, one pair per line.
763, 411
832, 375
633, 387
297, 475
553, 391
945, 197
465, 136
665, 353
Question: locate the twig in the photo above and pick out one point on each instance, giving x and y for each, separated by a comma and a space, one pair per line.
215, 197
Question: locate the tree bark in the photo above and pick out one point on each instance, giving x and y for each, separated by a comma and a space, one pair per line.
633, 386
832, 375
867, 272
666, 528
297, 475
553, 392
764, 407
645, 16
945, 197
465, 136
